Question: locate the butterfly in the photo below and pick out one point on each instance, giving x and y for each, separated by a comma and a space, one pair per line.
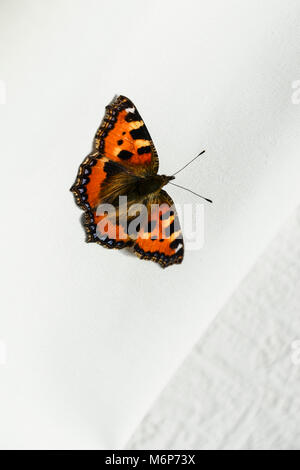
124, 163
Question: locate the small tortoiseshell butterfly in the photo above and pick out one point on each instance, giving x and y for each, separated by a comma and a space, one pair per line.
124, 162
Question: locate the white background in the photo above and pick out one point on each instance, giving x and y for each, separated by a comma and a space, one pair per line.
93, 335
239, 388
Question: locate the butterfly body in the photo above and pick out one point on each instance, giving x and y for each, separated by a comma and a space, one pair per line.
124, 162
151, 184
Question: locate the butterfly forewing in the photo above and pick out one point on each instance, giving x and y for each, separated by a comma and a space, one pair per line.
123, 137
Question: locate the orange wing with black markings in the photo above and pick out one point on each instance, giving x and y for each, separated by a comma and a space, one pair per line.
161, 240
98, 180
114, 235
122, 148
123, 157
124, 138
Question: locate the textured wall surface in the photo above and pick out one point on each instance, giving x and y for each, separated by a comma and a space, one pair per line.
240, 386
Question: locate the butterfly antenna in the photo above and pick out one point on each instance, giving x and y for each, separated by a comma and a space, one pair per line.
190, 191
187, 164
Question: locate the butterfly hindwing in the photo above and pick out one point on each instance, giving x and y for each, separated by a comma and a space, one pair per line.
161, 240
105, 231
101, 181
